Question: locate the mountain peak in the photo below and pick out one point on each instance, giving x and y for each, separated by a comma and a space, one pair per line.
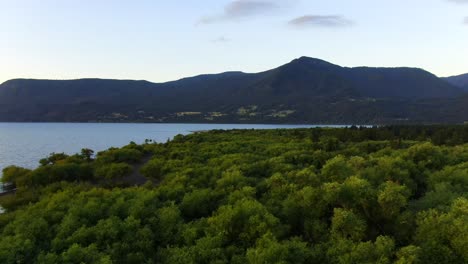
306, 58
304, 90
308, 61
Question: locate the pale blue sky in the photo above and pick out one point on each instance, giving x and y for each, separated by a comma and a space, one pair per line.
165, 40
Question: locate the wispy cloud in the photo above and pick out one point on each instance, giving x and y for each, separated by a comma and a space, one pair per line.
320, 21
459, 1
221, 39
241, 9
465, 20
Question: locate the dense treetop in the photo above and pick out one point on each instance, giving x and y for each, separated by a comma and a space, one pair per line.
355, 195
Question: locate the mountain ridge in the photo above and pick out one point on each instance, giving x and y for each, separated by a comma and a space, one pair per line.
303, 90
459, 81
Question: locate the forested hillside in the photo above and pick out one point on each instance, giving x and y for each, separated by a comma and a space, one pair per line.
459, 81
355, 195
306, 90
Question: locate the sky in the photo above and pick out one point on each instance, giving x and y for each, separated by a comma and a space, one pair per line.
161, 40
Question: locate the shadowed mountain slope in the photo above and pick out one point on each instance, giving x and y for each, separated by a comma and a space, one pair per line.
459, 81
304, 90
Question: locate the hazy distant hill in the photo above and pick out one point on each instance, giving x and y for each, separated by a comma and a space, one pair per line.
459, 81
304, 90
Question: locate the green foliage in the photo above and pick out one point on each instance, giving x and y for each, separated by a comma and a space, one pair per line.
337, 169
269, 250
442, 236
408, 255
199, 203
243, 223
392, 198
347, 225
56, 173
128, 154
113, 171
53, 159
345, 251
13, 174
357, 195
87, 154
153, 169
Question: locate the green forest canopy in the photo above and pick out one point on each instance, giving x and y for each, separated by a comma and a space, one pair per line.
354, 195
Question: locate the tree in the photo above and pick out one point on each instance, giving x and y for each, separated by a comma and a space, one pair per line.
408, 255
347, 225
269, 250
153, 169
199, 203
13, 174
247, 196
392, 198
336, 169
87, 154
345, 251
442, 236
113, 171
53, 159
243, 223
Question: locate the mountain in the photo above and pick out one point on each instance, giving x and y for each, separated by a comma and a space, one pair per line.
306, 90
459, 81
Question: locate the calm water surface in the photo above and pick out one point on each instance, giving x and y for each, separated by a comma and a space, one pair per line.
24, 144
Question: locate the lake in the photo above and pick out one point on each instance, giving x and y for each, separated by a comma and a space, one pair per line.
24, 144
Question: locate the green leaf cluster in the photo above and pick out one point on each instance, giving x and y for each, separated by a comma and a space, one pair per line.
356, 195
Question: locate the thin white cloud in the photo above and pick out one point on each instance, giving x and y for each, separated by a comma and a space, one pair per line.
459, 1
242, 9
221, 39
320, 21
465, 20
